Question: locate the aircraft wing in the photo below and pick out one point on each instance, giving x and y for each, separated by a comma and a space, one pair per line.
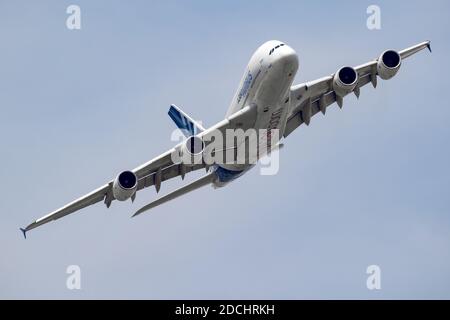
145, 173
151, 173
309, 98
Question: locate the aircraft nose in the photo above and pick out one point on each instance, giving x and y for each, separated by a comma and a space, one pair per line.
289, 57
288, 61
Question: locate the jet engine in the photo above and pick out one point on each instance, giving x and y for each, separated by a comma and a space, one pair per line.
192, 151
345, 81
124, 186
388, 64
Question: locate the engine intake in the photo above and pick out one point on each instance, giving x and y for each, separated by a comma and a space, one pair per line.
125, 185
345, 81
388, 64
192, 151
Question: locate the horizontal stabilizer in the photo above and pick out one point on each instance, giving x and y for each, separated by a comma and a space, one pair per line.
186, 124
203, 181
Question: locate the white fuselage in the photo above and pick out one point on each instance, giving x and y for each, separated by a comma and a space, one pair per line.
265, 84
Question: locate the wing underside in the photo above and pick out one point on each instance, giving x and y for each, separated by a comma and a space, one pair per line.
310, 98
153, 172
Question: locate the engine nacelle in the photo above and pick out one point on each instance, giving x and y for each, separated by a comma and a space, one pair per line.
345, 81
192, 151
124, 186
388, 64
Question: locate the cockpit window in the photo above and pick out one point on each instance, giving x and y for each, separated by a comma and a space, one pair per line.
273, 49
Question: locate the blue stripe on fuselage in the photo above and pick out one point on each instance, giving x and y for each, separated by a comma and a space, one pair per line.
226, 175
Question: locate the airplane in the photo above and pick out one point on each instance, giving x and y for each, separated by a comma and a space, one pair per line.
265, 99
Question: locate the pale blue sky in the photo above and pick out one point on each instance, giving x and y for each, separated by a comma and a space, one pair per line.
364, 185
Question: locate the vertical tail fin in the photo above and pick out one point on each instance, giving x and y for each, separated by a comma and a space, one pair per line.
186, 124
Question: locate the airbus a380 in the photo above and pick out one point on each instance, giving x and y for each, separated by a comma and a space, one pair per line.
265, 99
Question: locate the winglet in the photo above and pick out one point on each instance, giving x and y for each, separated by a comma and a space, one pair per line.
135, 214
429, 45
24, 231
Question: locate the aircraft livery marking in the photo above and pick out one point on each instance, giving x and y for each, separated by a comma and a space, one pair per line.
245, 86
